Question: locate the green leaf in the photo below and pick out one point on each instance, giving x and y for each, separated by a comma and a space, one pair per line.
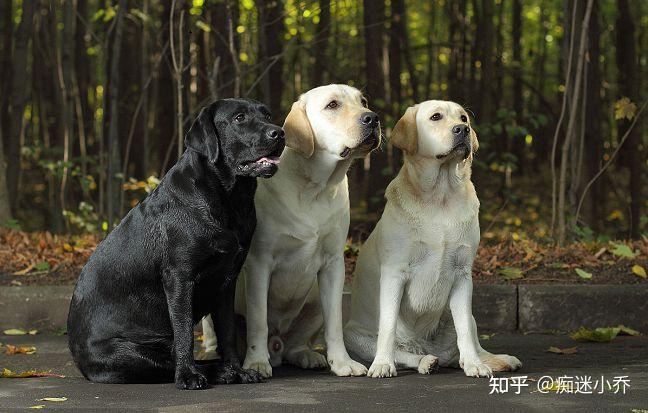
623, 251
601, 334
583, 274
510, 273
629, 331
42, 266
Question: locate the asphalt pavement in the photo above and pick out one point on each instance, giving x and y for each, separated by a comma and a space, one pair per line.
600, 377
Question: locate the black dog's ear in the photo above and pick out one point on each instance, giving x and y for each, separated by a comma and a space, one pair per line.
202, 136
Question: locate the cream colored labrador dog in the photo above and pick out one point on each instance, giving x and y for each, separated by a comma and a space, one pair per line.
412, 292
294, 272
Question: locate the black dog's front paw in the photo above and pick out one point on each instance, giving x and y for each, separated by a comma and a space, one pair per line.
229, 374
190, 379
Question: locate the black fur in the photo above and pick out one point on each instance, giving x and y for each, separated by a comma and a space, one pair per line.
175, 257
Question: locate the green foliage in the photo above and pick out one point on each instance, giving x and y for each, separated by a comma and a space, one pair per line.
84, 218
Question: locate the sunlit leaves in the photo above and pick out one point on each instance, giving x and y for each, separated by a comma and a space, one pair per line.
583, 274
639, 271
622, 251
624, 109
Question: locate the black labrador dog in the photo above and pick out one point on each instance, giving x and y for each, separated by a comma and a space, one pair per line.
175, 258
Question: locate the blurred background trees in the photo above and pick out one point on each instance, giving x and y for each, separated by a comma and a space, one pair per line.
96, 96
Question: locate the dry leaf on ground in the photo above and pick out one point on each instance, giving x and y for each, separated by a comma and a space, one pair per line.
12, 350
8, 374
568, 350
14, 332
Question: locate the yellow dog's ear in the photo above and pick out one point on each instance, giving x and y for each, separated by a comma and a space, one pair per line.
405, 134
299, 134
474, 142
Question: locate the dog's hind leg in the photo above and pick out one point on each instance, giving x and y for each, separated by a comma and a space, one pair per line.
297, 349
120, 361
497, 362
209, 335
364, 346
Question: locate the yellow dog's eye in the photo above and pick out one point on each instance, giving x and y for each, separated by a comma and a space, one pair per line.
332, 104
464, 118
437, 116
364, 102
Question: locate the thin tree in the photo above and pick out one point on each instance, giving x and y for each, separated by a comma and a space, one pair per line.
322, 34
113, 190
6, 30
626, 58
19, 97
374, 37
571, 125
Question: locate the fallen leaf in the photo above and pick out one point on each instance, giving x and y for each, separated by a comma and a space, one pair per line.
639, 271
486, 336
38, 406
510, 273
14, 332
26, 270
53, 399
13, 350
623, 251
42, 266
600, 334
627, 330
568, 350
8, 374
583, 274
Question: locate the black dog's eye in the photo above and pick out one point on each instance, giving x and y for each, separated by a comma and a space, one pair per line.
332, 104
239, 117
464, 118
437, 116
268, 116
365, 103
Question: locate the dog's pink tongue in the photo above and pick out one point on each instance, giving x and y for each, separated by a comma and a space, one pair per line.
274, 161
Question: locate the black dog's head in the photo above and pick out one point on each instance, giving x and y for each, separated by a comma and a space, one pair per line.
238, 132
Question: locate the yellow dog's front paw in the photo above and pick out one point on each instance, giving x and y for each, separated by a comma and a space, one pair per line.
382, 369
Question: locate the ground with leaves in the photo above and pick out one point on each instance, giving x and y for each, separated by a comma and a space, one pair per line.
42, 258
292, 389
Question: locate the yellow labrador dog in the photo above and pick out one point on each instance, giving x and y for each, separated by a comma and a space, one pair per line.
294, 272
412, 292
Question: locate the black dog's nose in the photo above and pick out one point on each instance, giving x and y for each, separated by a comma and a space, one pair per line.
369, 118
461, 130
276, 133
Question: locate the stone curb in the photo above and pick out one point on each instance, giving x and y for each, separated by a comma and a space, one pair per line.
495, 307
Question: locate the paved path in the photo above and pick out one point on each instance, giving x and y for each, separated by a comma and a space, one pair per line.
294, 390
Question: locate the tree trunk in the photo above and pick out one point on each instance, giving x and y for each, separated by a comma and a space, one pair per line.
395, 68
593, 132
626, 57
486, 34
85, 116
130, 92
19, 95
6, 31
374, 36
321, 43
164, 123
518, 102
66, 110
113, 190
270, 42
